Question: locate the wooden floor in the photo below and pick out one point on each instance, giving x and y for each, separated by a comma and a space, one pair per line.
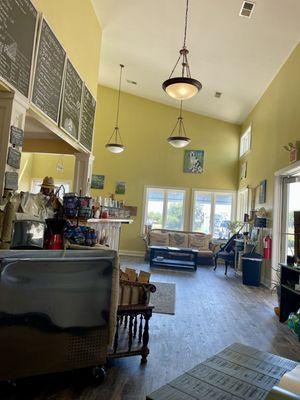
212, 312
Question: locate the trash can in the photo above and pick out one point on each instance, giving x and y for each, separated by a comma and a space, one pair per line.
251, 266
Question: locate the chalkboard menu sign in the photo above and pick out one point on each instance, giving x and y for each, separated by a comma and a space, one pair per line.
14, 158
11, 180
49, 72
16, 136
87, 119
18, 19
71, 103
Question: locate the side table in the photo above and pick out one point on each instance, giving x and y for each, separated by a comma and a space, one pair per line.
132, 332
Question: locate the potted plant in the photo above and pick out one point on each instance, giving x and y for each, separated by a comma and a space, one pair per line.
277, 288
234, 226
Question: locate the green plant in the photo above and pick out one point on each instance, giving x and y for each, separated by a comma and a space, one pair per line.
234, 226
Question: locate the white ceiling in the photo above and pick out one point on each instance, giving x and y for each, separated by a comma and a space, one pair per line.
234, 55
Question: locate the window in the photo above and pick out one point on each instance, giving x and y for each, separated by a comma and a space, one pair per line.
36, 185
242, 204
164, 208
245, 141
290, 204
211, 212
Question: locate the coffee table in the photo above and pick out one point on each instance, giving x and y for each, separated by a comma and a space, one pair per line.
173, 257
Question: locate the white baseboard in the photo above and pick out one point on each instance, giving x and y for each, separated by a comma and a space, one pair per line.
267, 283
132, 253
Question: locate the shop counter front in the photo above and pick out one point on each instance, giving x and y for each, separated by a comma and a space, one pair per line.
108, 230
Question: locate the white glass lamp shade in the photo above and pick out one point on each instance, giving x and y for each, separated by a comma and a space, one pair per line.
179, 141
115, 148
181, 88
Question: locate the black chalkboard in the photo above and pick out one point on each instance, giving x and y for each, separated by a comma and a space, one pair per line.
16, 136
14, 158
71, 103
49, 72
11, 180
18, 19
87, 119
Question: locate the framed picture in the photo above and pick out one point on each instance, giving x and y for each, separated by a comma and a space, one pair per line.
193, 161
120, 187
97, 181
243, 174
262, 194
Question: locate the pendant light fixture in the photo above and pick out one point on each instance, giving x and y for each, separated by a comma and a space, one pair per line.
115, 144
180, 140
183, 87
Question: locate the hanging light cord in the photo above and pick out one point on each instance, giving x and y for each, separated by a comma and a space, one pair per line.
116, 131
119, 95
181, 128
183, 51
186, 22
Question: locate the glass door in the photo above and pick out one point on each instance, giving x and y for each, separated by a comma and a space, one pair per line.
290, 204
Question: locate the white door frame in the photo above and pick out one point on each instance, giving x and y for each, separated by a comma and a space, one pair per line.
277, 212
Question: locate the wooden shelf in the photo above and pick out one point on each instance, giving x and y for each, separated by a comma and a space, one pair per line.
291, 289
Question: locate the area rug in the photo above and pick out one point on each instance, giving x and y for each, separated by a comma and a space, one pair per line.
164, 298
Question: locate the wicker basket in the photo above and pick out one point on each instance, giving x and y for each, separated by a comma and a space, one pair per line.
135, 293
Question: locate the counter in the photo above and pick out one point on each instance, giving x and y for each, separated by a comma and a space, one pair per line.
108, 230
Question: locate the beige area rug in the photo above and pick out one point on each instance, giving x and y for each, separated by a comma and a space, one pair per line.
164, 298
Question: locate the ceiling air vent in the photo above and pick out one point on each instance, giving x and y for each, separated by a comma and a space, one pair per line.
247, 9
131, 82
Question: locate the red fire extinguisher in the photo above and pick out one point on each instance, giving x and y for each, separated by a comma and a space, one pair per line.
267, 247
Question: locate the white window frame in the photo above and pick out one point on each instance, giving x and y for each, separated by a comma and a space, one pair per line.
38, 181
166, 189
213, 194
246, 138
243, 195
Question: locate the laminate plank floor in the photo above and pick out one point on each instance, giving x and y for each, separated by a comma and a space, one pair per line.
212, 312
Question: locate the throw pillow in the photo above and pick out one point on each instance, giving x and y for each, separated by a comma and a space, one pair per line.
179, 240
159, 238
199, 241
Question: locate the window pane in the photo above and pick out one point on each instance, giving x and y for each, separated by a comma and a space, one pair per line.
175, 210
223, 208
202, 212
293, 205
245, 141
154, 208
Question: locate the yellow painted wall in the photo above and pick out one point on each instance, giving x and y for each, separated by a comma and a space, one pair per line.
150, 160
40, 165
77, 28
275, 122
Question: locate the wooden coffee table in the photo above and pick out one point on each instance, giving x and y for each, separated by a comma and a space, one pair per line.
173, 257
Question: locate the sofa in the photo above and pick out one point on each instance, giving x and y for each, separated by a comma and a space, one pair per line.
182, 239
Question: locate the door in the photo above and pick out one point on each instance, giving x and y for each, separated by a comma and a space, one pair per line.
290, 203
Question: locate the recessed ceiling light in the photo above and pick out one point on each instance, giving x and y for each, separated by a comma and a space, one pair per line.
218, 95
247, 9
131, 82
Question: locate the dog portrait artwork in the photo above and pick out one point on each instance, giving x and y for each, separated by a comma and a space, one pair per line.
193, 161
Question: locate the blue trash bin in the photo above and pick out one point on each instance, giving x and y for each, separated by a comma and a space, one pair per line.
251, 266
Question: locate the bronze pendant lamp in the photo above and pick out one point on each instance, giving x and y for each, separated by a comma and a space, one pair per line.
115, 144
182, 87
180, 140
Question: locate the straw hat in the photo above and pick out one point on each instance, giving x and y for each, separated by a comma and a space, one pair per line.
48, 182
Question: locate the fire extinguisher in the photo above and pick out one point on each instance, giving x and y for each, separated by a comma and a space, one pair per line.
267, 247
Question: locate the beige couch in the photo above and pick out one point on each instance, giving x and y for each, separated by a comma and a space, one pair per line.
182, 239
